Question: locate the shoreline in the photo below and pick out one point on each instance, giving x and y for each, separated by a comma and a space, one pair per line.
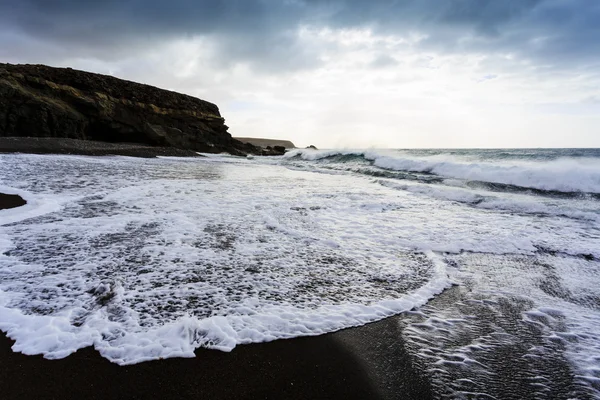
34, 145
506, 315
366, 362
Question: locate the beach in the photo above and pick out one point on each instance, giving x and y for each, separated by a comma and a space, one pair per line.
322, 274
388, 200
360, 363
364, 362
51, 145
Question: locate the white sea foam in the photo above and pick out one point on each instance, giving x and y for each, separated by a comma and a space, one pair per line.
160, 257
35, 206
153, 258
515, 203
540, 308
565, 175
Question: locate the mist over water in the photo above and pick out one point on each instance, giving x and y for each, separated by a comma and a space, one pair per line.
492, 255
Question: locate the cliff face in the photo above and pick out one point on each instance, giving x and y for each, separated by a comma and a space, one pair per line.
41, 101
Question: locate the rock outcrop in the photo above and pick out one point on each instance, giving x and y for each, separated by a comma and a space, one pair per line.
41, 101
11, 201
268, 147
260, 142
273, 151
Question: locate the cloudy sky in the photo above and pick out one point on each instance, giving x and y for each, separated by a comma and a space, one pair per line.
343, 73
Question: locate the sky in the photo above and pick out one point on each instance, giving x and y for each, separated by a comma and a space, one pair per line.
343, 73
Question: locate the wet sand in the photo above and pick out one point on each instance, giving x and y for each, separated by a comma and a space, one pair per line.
368, 362
32, 145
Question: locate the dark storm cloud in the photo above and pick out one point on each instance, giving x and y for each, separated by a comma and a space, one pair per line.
263, 32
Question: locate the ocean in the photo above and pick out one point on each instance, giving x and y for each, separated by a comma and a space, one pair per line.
491, 256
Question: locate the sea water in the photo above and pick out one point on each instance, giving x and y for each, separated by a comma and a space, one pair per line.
493, 256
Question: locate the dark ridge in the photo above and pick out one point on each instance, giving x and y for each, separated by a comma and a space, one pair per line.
260, 142
112, 86
46, 102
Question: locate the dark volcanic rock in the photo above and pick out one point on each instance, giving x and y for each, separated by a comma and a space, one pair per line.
41, 101
261, 142
268, 147
11, 201
273, 151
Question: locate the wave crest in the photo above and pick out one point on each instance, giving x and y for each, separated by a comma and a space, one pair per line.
569, 175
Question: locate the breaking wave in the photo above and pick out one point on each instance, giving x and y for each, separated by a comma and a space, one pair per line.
151, 258
567, 175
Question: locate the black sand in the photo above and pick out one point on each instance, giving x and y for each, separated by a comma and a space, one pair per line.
34, 145
368, 362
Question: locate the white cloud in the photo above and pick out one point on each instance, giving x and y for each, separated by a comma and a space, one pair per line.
373, 90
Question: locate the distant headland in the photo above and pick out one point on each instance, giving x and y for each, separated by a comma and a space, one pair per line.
61, 110
260, 142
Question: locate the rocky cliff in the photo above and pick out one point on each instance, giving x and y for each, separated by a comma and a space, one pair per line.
260, 142
41, 101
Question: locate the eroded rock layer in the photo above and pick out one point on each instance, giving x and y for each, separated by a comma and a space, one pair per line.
42, 101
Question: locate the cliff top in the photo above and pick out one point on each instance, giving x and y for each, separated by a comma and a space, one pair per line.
114, 87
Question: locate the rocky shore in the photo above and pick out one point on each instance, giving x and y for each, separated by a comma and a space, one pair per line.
45, 102
11, 201
260, 142
87, 148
